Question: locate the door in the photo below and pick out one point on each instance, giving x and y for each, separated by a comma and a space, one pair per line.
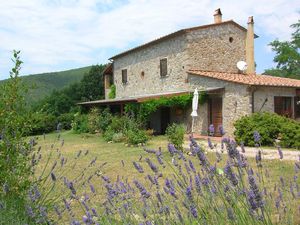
165, 119
215, 113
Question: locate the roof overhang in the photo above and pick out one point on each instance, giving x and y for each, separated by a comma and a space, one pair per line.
144, 98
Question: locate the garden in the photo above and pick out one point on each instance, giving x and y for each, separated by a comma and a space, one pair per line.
109, 170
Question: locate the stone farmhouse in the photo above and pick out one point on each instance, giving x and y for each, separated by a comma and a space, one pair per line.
202, 57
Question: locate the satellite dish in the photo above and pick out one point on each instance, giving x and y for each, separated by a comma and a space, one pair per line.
241, 65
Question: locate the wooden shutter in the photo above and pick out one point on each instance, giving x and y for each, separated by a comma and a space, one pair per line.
283, 106
124, 76
297, 106
163, 67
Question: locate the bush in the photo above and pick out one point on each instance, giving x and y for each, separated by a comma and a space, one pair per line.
175, 134
93, 120
125, 128
80, 123
42, 123
270, 126
105, 119
137, 136
66, 120
118, 137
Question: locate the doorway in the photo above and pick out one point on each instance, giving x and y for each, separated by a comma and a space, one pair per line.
215, 115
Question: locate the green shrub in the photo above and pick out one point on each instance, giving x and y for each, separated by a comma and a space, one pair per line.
80, 123
43, 123
93, 120
108, 134
137, 136
175, 134
118, 137
66, 120
105, 119
125, 129
270, 126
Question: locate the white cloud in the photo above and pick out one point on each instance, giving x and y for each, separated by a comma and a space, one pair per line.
54, 33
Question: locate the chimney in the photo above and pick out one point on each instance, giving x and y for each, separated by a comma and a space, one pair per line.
218, 16
250, 47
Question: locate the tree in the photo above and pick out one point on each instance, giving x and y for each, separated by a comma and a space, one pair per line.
287, 55
92, 84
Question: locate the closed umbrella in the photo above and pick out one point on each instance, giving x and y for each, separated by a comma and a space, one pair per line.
194, 108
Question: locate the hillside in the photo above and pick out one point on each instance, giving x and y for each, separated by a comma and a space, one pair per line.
41, 85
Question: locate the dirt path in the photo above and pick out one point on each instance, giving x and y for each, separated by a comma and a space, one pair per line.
293, 155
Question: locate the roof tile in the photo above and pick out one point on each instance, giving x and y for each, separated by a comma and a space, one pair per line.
250, 79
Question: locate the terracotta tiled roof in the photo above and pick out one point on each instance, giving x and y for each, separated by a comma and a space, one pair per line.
253, 79
179, 32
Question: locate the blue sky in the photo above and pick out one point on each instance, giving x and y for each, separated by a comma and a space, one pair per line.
55, 35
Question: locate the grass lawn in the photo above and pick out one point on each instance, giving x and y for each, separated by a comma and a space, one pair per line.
112, 154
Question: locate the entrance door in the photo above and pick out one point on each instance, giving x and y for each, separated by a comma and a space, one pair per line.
215, 113
165, 119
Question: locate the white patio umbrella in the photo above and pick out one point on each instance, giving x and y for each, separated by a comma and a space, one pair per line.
194, 108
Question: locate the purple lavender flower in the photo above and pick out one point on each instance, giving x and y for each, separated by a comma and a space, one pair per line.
192, 166
142, 189
230, 174
92, 188
188, 193
221, 130
210, 145
280, 153
256, 136
57, 211
258, 200
198, 183
211, 130
138, 167
172, 149
152, 165
193, 211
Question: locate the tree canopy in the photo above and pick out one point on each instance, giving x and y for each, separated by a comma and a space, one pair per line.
287, 55
63, 101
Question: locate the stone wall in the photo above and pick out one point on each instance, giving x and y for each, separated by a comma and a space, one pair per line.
148, 61
236, 102
263, 93
216, 48
206, 49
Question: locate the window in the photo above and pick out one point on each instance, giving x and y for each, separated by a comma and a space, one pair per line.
163, 67
124, 76
283, 106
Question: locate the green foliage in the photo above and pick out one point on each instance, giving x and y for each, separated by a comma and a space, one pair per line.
137, 136
118, 137
64, 101
287, 55
270, 126
112, 93
105, 119
143, 110
80, 123
65, 120
175, 133
92, 87
42, 85
14, 123
94, 120
42, 123
125, 129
